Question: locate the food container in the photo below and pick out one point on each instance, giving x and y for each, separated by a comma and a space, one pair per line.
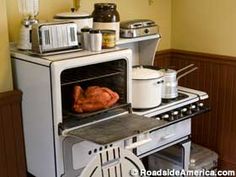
85, 40
95, 37
108, 39
106, 17
146, 88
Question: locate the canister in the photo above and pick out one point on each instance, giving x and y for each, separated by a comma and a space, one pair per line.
106, 17
95, 40
108, 39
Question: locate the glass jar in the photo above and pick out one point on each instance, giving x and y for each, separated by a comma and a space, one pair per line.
106, 17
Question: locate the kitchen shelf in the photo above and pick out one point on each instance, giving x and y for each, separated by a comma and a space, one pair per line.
137, 39
143, 48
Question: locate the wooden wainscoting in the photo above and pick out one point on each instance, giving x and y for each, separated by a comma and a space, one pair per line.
217, 76
12, 154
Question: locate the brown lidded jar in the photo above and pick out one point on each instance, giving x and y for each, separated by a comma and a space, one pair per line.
106, 17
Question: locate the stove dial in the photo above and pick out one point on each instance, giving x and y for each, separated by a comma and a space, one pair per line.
165, 117
183, 112
174, 115
193, 106
201, 105
157, 118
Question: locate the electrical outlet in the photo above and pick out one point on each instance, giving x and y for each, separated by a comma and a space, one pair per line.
150, 2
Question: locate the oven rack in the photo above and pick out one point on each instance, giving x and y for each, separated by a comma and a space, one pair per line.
72, 119
78, 77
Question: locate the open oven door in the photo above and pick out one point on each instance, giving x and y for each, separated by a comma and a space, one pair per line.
115, 129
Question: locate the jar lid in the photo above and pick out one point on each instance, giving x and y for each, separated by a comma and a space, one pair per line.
108, 31
104, 6
86, 29
141, 73
95, 31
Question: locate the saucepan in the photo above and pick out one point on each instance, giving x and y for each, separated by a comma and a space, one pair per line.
171, 77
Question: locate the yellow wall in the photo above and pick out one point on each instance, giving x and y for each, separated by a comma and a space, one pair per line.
204, 26
5, 69
160, 11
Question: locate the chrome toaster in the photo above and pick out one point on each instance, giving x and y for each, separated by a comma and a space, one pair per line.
137, 28
55, 36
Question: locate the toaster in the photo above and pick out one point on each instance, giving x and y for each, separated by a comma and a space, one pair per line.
55, 36
137, 28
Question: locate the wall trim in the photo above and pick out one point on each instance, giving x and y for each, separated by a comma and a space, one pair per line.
10, 97
174, 53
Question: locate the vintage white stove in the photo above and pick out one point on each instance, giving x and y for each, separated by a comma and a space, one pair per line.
107, 143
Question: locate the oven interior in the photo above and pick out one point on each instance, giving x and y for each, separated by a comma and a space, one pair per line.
111, 74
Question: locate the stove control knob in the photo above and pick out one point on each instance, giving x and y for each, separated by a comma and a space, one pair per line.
193, 106
174, 115
183, 112
157, 118
200, 105
165, 117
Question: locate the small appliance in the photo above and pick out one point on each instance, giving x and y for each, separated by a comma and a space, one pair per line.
49, 37
137, 28
29, 9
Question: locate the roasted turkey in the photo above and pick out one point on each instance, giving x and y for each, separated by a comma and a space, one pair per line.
94, 98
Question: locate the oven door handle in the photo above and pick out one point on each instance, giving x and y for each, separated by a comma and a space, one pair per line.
138, 143
168, 136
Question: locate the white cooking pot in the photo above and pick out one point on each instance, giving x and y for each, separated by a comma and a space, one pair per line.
146, 88
83, 20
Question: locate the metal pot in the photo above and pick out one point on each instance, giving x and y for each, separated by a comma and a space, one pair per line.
170, 86
146, 87
83, 20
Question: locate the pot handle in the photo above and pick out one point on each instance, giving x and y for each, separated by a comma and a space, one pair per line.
179, 77
160, 82
180, 70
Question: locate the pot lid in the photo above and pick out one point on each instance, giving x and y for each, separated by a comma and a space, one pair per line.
141, 73
168, 72
72, 15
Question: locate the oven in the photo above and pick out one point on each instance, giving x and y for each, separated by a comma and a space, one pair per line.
60, 142
108, 142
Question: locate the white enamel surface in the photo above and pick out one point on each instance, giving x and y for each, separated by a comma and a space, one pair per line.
166, 135
33, 80
146, 93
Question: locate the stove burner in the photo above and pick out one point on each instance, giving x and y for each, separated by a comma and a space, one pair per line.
181, 96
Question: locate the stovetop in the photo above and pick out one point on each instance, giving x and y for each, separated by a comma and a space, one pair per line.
164, 102
188, 103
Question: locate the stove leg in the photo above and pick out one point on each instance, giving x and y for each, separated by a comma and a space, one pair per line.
186, 157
